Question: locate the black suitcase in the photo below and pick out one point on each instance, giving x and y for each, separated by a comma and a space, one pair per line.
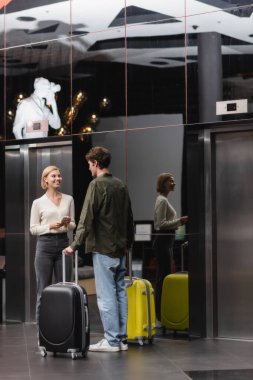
63, 319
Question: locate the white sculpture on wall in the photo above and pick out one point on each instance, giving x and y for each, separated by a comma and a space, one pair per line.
38, 111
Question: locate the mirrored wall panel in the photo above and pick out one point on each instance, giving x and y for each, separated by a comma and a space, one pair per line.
139, 156
127, 64
234, 7
98, 78
29, 21
149, 153
219, 65
96, 15
98, 53
156, 73
154, 12
38, 89
116, 143
2, 20
2, 63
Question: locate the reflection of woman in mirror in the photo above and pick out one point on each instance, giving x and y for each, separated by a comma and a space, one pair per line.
40, 109
52, 216
165, 223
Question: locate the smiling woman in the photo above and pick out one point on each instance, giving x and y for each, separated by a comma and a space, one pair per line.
52, 216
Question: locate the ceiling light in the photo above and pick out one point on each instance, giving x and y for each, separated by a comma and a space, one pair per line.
26, 18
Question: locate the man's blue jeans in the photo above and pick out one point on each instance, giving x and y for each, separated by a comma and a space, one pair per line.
111, 296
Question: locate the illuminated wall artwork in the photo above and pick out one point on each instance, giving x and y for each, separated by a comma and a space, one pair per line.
94, 118
91, 119
37, 112
71, 113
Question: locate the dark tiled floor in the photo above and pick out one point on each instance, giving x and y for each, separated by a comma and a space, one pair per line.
167, 358
243, 374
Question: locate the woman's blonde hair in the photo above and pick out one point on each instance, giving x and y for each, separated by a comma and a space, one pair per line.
45, 173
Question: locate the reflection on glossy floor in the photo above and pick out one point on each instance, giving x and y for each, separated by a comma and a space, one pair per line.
167, 358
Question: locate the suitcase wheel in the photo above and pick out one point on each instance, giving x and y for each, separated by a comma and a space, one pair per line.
84, 353
151, 340
140, 341
74, 356
43, 352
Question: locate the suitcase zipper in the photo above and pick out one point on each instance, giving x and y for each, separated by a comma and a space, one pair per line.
149, 308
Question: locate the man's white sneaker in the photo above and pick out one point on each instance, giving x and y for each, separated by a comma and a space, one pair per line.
103, 346
123, 345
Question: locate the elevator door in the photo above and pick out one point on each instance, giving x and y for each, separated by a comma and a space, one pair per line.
234, 232
24, 165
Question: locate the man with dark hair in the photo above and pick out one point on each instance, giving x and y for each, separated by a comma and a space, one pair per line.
106, 222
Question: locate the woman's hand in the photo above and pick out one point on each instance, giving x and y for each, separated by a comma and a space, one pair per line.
183, 220
65, 221
55, 226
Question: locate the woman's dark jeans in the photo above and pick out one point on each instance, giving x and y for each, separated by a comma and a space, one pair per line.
163, 248
48, 262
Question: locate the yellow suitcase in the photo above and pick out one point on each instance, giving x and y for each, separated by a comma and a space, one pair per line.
175, 302
141, 311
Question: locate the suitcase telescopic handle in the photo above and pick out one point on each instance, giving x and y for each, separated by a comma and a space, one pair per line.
183, 246
130, 263
64, 266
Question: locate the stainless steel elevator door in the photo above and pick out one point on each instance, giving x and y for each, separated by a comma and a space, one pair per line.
23, 166
234, 217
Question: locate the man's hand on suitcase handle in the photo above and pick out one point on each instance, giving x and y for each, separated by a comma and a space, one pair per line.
68, 251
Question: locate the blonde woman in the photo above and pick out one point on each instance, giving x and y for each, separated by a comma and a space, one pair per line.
52, 216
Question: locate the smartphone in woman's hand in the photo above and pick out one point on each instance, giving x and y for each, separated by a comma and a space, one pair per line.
65, 220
